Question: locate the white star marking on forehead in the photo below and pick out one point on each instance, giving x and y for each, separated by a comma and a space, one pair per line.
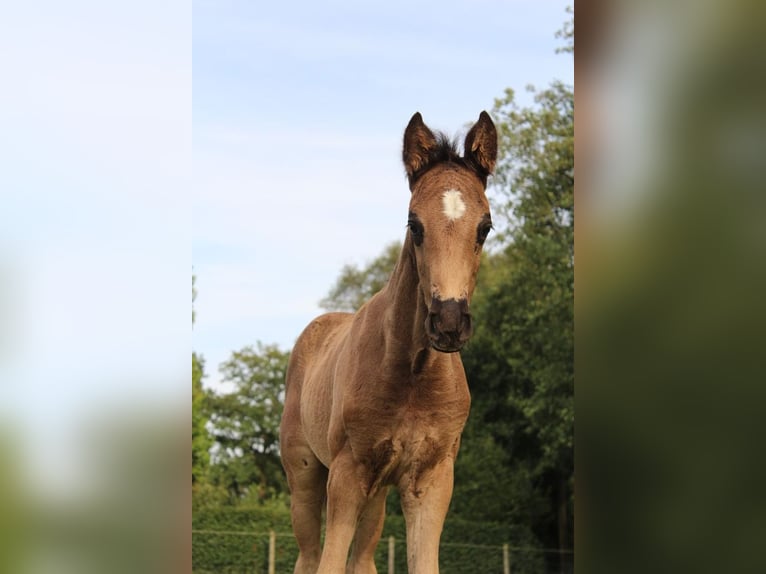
452, 204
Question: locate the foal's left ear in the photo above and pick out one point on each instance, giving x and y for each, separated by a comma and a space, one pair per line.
481, 145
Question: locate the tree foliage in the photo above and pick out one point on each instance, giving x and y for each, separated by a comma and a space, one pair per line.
537, 298
355, 285
566, 33
520, 362
201, 441
244, 423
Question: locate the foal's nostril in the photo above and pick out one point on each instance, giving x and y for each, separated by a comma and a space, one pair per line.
449, 324
432, 324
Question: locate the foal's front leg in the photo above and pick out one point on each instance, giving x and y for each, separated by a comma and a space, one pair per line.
345, 501
425, 500
368, 531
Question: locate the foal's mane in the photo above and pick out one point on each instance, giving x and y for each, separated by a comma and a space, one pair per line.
448, 150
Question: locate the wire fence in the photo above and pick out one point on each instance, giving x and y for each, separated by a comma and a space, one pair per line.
240, 552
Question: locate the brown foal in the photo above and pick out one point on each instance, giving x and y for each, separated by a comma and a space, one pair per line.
379, 398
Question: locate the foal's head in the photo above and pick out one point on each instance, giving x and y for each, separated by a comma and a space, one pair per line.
449, 220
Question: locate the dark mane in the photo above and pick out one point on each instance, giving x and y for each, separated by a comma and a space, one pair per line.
447, 150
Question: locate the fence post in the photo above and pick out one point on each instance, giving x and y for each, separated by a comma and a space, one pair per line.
391, 551
506, 560
272, 551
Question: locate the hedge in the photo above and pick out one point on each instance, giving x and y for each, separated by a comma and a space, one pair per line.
235, 540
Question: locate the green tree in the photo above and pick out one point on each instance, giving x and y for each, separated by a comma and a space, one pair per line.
567, 34
521, 360
245, 424
201, 441
355, 285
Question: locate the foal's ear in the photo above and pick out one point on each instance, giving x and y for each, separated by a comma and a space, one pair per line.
419, 142
481, 145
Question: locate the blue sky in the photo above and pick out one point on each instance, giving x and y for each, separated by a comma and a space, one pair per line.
298, 114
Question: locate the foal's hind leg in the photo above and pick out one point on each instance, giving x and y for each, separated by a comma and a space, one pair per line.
307, 478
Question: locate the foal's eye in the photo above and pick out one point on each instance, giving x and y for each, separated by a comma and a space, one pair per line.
416, 228
482, 232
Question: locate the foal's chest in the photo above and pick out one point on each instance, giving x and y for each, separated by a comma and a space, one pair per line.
405, 436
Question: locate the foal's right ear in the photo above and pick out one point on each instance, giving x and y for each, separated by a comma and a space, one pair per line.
419, 142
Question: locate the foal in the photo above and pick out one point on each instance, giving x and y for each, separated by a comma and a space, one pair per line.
379, 397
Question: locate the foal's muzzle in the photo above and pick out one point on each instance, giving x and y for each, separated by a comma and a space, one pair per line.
448, 324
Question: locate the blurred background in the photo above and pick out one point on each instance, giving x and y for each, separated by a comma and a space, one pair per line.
95, 137
670, 282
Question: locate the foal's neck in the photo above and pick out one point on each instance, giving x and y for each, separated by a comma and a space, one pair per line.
406, 314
